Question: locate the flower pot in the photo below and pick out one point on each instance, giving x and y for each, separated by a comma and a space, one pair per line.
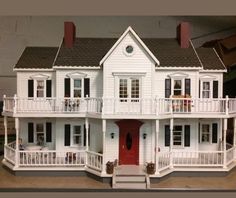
109, 167
151, 168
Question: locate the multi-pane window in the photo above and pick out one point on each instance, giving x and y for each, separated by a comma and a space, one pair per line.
77, 88
77, 135
205, 89
205, 132
129, 88
40, 88
177, 87
134, 88
177, 135
40, 133
123, 90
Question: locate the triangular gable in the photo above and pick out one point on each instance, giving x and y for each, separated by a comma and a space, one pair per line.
129, 29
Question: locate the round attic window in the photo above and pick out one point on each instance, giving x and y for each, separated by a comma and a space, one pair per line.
129, 49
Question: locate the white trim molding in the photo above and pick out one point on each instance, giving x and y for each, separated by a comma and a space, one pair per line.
40, 77
76, 75
128, 73
129, 29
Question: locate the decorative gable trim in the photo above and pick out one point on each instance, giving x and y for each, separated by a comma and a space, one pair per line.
75, 75
207, 77
40, 77
178, 75
129, 29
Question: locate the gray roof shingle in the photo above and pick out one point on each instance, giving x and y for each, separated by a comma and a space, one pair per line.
90, 51
209, 59
37, 57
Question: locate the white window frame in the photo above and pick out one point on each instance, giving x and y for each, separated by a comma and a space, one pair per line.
76, 76
182, 86
73, 87
211, 88
178, 76
210, 132
36, 78
182, 137
36, 88
73, 135
129, 88
44, 132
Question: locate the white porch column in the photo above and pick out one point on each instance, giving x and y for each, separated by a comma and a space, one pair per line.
234, 143
87, 146
224, 145
5, 135
17, 142
104, 146
157, 145
171, 141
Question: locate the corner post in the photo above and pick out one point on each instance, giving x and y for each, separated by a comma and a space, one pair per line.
5, 137
156, 146
87, 147
17, 142
227, 105
224, 148
104, 146
15, 104
4, 103
171, 141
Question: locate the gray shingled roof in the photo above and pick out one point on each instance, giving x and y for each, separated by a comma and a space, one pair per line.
90, 51
37, 57
85, 52
209, 59
169, 53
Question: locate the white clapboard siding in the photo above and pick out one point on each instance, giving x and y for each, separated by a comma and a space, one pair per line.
118, 61
95, 135
23, 134
22, 82
95, 76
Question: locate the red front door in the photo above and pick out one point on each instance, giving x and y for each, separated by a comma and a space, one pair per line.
129, 141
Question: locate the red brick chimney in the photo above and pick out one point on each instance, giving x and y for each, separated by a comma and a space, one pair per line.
183, 34
69, 34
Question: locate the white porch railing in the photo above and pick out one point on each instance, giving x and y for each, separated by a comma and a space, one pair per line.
163, 160
143, 106
198, 158
116, 106
9, 154
94, 160
230, 155
51, 158
190, 105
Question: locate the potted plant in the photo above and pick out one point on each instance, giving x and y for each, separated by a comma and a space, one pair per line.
109, 167
151, 168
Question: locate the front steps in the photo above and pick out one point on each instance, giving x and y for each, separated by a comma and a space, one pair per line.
130, 177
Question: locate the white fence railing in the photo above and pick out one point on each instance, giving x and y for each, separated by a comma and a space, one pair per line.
132, 106
94, 160
51, 158
9, 154
189, 105
230, 155
198, 158
163, 160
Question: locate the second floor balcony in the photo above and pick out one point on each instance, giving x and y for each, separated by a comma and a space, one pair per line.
179, 107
